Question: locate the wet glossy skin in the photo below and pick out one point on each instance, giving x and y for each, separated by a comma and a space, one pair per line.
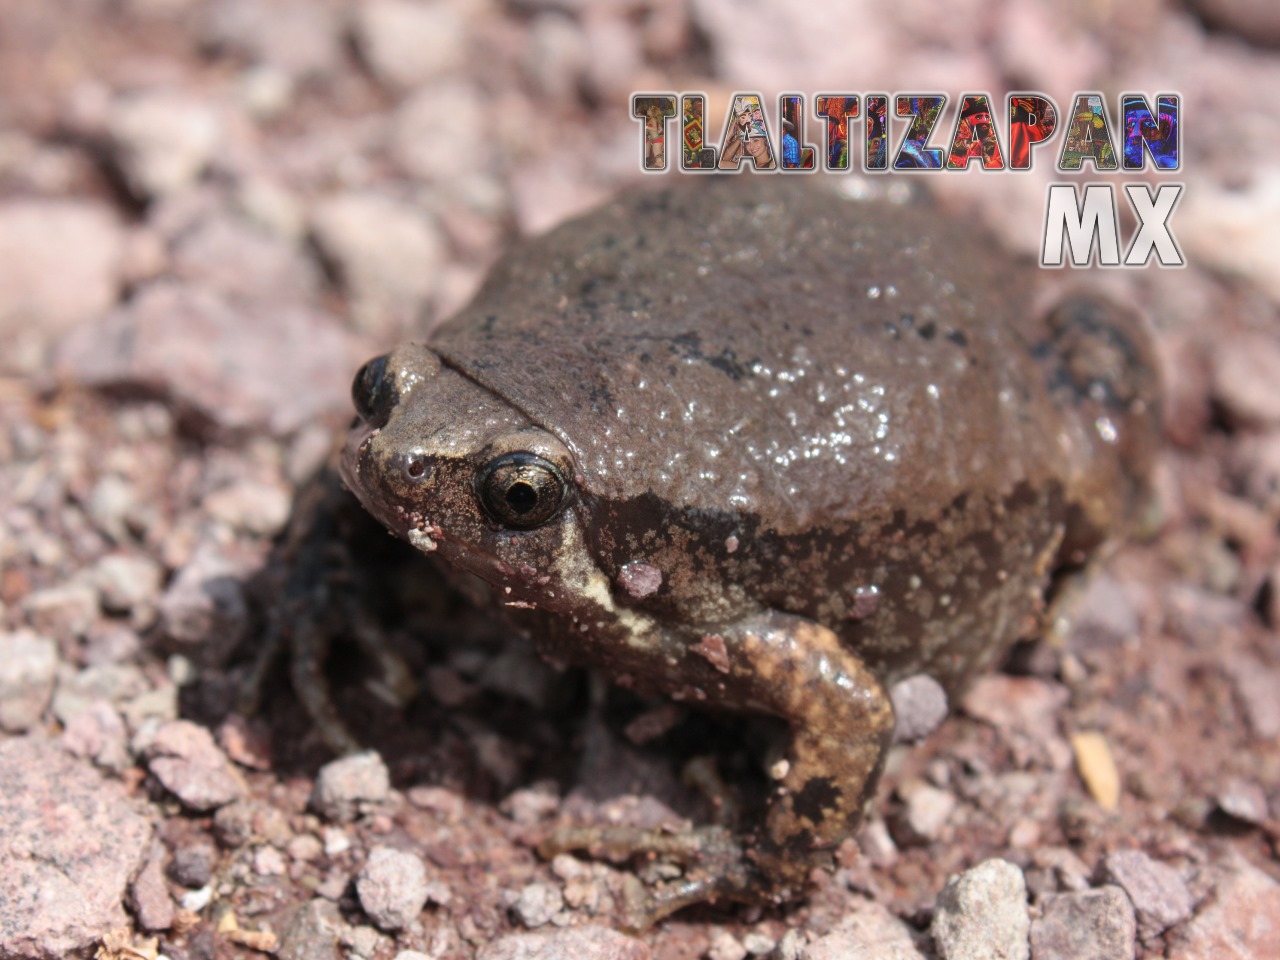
768, 449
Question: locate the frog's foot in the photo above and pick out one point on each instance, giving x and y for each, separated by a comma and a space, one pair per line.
316, 603
715, 866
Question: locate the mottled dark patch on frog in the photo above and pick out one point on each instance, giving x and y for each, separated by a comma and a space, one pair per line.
819, 797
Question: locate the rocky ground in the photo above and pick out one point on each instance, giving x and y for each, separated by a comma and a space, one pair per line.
211, 211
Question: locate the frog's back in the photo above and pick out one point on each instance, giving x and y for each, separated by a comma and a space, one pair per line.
769, 348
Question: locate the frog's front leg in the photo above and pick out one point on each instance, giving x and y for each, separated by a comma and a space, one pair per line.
841, 724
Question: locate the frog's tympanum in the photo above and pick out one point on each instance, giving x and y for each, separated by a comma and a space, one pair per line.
768, 449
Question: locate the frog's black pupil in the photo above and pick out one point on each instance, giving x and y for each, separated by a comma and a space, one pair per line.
521, 497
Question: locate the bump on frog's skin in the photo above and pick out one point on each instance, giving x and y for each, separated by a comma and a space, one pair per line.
828, 430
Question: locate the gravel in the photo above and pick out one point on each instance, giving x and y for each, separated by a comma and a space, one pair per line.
184, 757
27, 671
348, 787
982, 914
1090, 925
392, 887
581, 943
1159, 895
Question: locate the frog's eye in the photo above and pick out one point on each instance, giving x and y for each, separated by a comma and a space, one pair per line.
372, 394
521, 490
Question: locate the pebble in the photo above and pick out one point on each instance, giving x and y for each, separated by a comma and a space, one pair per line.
1024, 705
204, 612
925, 812
238, 259
1104, 617
537, 904
725, 946
1159, 896
582, 943
919, 707
868, 932
386, 256
64, 612
127, 582
1256, 685
60, 265
1240, 920
1094, 924
98, 733
981, 914
27, 671
422, 136
184, 757
161, 141
70, 839
392, 887
192, 865
255, 507
312, 932
345, 788
1244, 801
1244, 369
149, 896
115, 683
405, 43
218, 363
300, 37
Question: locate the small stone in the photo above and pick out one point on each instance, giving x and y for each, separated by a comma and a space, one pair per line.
919, 707
204, 611
98, 733
63, 613
981, 914
192, 866
127, 582
1160, 898
1244, 801
758, 944
185, 759
345, 788
255, 507
868, 932
1024, 705
405, 43
392, 886
537, 904
241, 260
28, 666
725, 946
925, 812
422, 135
386, 256
312, 933
149, 896
60, 265
302, 38
217, 362
1245, 369
1093, 924
268, 862
1239, 921
116, 683
1097, 767
1104, 616
162, 141
531, 805
70, 839
1256, 685
580, 943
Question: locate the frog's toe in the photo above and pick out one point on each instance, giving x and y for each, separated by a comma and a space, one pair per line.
715, 866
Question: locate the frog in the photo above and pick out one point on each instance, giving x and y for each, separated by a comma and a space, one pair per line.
766, 448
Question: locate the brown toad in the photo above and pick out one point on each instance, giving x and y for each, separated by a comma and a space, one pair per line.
767, 449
